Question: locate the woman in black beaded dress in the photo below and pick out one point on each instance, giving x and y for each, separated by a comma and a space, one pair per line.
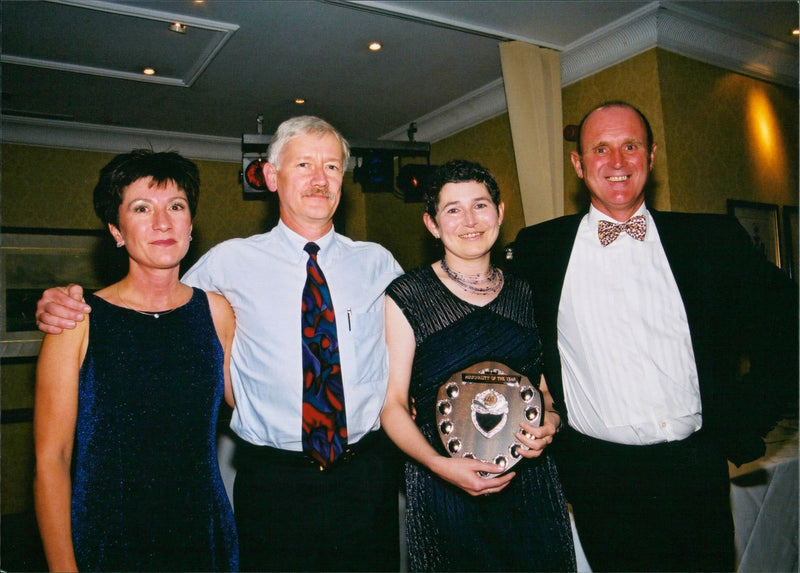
465, 514
127, 477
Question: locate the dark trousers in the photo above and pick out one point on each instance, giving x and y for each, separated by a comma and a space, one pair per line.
293, 517
664, 507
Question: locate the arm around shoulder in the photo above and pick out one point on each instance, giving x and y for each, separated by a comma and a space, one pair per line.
61, 308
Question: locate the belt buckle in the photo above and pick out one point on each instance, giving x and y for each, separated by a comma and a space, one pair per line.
343, 458
314, 462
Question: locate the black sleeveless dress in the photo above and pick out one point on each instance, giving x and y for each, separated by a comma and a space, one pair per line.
147, 491
526, 526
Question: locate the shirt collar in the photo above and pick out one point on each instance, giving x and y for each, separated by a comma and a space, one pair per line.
297, 242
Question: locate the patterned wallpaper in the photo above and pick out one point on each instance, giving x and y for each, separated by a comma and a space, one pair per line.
729, 136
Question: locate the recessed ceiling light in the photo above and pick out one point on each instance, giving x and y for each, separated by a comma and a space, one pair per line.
375, 46
178, 27
299, 101
149, 71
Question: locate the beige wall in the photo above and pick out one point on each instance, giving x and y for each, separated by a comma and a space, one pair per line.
728, 136
721, 135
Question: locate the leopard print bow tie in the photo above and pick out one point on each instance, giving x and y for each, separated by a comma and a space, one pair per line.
608, 231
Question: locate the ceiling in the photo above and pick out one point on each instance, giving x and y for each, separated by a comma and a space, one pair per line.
240, 65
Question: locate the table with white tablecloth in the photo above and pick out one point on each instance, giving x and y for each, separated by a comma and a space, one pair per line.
765, 505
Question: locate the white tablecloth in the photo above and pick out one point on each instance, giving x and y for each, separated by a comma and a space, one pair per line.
765, 505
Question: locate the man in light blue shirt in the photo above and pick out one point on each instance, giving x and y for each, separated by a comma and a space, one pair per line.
291, 513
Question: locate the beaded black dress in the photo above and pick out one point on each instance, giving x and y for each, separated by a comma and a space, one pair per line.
526, 526
147, 491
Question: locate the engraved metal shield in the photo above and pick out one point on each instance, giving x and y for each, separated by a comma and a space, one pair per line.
479, 409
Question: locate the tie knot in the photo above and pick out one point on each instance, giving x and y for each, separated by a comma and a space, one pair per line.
311, 248
608, 231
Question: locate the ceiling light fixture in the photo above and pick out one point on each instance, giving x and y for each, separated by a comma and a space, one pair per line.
299, 101
375, 46
795, 32
149, 71
178, 27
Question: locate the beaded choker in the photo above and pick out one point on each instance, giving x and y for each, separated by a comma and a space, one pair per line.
482, 283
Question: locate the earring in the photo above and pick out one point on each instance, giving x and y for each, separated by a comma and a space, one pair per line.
190, 238
120, 243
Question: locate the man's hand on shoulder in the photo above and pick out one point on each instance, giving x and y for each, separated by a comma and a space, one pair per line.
61, 308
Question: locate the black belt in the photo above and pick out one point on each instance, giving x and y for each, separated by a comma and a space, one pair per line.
301, 459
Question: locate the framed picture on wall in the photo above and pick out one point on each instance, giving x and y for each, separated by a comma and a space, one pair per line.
790, 241
760, 220
32, 260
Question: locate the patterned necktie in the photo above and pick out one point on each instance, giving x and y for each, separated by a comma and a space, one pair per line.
608, 231
324, 422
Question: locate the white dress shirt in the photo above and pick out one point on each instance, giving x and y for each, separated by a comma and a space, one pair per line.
628, 367
263, 278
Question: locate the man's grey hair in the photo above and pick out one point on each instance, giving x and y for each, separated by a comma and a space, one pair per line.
303, 125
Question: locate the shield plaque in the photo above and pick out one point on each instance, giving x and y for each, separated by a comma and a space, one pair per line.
479, 409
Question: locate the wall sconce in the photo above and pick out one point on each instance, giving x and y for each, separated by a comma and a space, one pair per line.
571, 132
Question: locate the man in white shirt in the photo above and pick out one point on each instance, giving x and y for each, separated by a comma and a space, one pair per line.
293, 512
644, 326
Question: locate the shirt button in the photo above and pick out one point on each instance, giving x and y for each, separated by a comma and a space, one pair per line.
663, 424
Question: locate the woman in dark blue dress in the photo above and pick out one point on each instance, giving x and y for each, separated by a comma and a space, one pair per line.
127, 477
442, 319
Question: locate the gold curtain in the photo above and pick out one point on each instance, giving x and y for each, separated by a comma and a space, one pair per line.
532, 78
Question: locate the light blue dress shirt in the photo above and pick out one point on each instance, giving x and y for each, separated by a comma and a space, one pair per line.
263, 277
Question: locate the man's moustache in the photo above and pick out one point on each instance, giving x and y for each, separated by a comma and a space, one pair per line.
323, 192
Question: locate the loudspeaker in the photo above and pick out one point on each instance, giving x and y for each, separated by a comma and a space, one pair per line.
375, 173
412, 180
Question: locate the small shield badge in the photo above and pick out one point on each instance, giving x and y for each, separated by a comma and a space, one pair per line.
479, 409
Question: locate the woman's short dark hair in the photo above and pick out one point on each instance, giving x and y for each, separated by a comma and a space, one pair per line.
127, 168
458, 171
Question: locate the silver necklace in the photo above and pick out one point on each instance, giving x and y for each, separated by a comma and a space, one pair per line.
482, 283
150, 313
